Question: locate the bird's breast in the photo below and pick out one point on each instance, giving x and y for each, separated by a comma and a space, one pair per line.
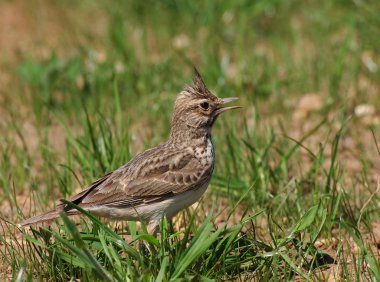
204, 152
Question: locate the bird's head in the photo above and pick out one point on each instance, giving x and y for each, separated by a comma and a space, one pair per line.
197, 108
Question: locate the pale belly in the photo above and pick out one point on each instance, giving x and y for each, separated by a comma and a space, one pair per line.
153, 211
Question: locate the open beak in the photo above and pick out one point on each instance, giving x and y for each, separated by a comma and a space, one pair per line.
222, 109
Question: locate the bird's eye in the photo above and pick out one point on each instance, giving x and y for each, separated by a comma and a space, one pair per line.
204, 105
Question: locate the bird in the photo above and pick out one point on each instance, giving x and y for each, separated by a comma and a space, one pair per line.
163, 180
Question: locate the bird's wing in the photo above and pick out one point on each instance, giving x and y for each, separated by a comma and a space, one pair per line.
146, 178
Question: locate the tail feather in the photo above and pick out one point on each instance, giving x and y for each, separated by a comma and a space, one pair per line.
48, 216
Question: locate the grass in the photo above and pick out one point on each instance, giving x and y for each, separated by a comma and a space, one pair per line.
295, 192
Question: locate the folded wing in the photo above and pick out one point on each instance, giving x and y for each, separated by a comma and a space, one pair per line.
158, 176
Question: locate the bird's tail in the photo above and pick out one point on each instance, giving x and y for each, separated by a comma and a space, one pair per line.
48, 216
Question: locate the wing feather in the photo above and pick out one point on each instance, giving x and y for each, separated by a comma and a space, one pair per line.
158, 175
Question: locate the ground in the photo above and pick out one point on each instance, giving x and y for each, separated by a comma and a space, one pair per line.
295, 192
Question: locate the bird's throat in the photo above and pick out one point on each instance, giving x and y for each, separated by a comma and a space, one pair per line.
188, 135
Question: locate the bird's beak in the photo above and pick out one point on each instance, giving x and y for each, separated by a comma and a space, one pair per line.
223, 101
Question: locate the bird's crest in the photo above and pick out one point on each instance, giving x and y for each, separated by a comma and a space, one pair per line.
199, 88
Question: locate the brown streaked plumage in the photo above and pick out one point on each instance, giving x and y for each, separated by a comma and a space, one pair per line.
165, 179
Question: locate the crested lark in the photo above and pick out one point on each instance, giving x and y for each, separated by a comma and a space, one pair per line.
163, 180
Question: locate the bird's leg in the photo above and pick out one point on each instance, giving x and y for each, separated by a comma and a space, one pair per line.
153, 228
